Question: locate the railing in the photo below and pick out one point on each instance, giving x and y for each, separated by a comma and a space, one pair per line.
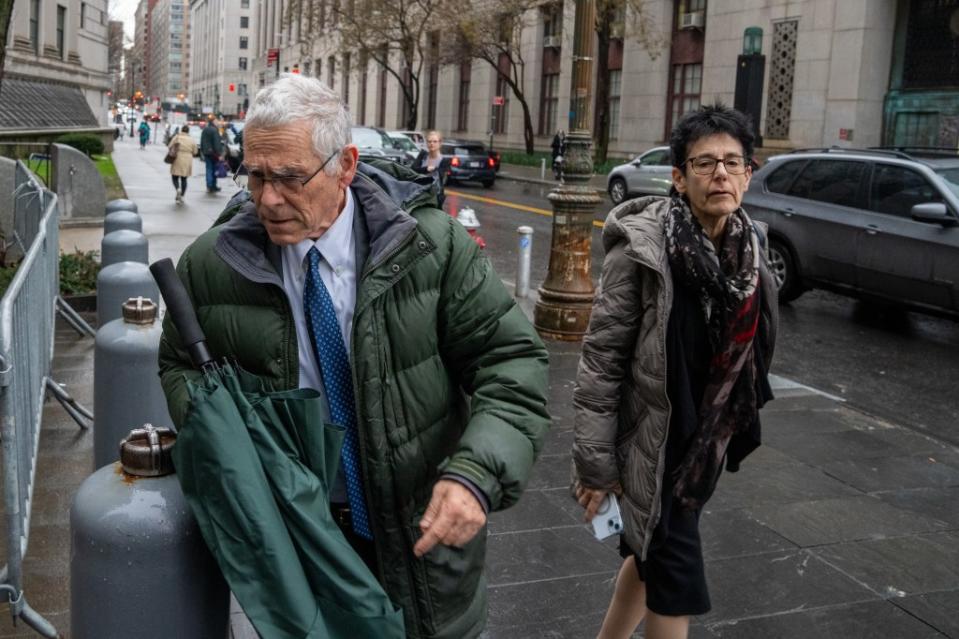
27, 323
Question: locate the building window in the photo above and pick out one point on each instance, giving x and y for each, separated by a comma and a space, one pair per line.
244, 42
306, 68
552, 21
687, 83
615, 90
35, 25
331, 71
463, 112
61, 26
779, 102
241, 89
693, 6
83, 14
244, 22
242, 64
381, 107
432, 78
364, 72
319, 68
548, 104
501, 111
244, 4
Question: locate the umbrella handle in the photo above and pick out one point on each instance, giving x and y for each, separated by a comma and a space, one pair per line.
181, 311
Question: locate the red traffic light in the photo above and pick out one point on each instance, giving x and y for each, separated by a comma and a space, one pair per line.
232, 87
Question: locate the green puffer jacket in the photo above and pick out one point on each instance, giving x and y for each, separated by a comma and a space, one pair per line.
449, 374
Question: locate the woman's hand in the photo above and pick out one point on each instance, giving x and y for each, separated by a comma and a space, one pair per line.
591, 498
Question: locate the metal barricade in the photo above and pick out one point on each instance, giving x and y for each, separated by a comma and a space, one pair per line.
27, 323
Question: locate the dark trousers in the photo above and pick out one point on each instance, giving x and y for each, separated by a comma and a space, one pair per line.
179, 183
210, 172
363, 547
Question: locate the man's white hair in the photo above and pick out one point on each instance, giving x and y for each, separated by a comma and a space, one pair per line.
297, 98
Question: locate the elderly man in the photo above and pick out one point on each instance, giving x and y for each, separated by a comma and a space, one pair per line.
341, 276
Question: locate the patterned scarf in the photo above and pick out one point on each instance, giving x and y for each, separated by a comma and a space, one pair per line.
727, 285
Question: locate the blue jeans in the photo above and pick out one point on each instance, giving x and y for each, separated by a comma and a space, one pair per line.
210, 172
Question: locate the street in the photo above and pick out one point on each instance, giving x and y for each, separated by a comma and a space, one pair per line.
896, 365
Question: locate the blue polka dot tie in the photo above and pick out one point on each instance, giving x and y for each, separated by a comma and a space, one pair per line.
337, 378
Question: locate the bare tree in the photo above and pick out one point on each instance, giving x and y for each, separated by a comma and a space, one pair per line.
6, 17
618, 19
391, 32
492, 32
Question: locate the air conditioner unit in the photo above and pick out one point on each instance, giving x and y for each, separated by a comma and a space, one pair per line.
551, 41
616, 30
692, 20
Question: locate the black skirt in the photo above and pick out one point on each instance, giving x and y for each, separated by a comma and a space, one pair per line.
674, 571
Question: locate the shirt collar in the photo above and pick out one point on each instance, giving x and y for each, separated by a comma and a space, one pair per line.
335, 244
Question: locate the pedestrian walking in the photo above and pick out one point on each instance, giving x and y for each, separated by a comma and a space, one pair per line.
674, 369
182, 148
431, 161
144, 132
397, 321
211, 148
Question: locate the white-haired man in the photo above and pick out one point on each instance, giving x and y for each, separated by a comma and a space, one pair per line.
444, 388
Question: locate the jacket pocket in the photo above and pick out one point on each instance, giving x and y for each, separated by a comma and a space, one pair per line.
449, 578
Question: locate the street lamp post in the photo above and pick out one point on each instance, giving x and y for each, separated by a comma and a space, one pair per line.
566, 297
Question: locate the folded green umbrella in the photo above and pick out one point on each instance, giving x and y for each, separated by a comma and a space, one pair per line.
256, 468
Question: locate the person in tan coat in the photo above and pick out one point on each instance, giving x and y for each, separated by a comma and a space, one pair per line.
674, 369
182, 166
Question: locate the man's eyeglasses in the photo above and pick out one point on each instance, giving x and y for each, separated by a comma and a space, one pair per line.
704, 165
284, 184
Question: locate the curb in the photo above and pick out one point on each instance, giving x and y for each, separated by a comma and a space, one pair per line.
522, 178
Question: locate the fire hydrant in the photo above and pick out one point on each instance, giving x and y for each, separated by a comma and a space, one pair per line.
467, 217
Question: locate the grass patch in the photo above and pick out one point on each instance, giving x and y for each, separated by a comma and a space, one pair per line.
6, 276
111, 180
104, 164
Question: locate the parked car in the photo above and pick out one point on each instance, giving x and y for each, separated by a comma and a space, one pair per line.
648, 174
878, 223
469, 160
374, 143
417, 136
404, 143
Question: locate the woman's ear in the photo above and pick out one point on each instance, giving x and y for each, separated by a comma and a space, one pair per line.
679, 180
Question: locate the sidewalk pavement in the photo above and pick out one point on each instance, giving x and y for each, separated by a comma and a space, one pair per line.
840, 525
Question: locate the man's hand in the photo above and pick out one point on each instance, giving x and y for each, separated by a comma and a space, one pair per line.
591, 498
453, 517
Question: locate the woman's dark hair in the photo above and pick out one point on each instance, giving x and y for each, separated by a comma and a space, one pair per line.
186, 128
711, 119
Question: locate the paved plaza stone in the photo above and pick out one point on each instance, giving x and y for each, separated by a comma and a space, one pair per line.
840, 525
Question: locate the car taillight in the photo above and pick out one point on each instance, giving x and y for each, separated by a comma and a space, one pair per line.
492, 163
455, 161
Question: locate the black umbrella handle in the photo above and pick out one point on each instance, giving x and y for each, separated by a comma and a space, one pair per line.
181, 311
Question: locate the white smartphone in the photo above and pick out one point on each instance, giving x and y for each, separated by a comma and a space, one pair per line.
608, 521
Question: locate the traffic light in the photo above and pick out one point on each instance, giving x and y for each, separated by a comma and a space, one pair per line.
231, 87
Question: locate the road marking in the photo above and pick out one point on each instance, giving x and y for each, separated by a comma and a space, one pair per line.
511, 205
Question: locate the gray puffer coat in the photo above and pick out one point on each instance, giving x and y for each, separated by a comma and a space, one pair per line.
621, 408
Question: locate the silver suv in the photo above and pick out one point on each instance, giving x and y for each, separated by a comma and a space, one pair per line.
649, 174
880, 223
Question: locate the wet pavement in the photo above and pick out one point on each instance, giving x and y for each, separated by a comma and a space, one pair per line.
840, 525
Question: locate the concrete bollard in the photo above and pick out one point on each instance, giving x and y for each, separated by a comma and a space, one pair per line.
124, 246
524, 257
542, 169
120, 205
122, 220
119, 282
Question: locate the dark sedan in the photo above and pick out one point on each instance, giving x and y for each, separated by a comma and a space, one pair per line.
469, 161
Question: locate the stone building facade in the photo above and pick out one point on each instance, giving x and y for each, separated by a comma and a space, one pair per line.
812, 73
222, 48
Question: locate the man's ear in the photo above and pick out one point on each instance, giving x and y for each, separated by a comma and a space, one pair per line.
349, 157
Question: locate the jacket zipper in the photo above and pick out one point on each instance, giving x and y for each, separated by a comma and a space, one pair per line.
366, 484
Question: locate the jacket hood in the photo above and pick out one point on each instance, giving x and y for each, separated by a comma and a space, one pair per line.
639, 223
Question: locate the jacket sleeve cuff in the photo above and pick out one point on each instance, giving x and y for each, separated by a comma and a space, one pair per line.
473, 488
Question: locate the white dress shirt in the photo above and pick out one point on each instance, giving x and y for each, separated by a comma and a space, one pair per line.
337, 246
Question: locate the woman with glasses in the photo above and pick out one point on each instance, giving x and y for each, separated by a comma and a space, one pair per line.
674, 369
